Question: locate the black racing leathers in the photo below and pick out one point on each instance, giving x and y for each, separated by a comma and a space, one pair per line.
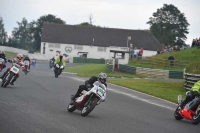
88, 84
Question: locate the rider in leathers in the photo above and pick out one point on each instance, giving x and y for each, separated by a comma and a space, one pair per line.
19, 61
3, 56
195, 91
89, 83
27, 58
58, 60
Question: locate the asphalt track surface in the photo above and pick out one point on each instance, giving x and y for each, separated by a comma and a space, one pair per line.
37, 103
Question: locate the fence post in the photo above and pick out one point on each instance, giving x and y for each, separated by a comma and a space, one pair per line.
184, 69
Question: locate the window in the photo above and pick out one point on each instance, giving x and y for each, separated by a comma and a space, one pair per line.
120, 55
101, 49
57, 45
78, 47
54, 45
51, 45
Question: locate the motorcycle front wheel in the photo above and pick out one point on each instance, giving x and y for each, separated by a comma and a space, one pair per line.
71, 107
177, 115
7, 79
89, 107
196, 117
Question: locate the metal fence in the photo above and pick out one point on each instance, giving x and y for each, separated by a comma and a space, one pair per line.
163, 62
190, 79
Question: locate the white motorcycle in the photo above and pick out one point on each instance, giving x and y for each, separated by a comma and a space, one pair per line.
9, 77
58, 69
88, 100
26, 65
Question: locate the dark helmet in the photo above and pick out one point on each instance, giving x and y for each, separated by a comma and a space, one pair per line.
61, 55
102, 77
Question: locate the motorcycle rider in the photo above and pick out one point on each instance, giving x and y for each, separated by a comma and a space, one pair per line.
27, 58
3, 56
89, 84
190, 95
53, 59
58, 60
19, 61
34, 62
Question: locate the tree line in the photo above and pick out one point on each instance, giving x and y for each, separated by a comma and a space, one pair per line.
167, 24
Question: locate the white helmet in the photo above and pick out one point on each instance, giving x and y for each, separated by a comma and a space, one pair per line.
102, 77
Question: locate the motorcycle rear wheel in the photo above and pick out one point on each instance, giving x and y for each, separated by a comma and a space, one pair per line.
196, 117
88, 108
177, 115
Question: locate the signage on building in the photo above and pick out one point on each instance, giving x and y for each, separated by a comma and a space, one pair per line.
68, 49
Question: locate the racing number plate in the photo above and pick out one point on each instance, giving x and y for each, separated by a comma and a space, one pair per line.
14, 69
100, 91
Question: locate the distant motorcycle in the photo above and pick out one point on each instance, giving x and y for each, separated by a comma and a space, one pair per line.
26, 65
58, 69
88, 100
190, 111
51, 63
2, 63
9, 77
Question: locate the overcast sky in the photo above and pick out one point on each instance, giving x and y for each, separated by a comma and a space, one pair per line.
123, 14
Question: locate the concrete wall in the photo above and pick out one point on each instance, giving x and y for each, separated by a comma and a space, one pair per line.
36, 56
14, 50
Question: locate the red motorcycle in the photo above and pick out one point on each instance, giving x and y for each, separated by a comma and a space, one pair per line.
190, 111
2, 63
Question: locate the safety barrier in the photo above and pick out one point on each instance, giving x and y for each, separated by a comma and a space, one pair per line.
155, 73
190, 79
88, 60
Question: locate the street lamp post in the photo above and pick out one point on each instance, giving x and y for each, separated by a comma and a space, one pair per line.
128, 48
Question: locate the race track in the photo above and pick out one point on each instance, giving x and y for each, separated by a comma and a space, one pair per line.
37, 103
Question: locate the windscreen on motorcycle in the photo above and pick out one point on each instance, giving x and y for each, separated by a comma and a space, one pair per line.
1, 60
97, 83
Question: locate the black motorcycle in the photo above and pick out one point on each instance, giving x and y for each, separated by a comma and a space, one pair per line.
58, 69
51, 63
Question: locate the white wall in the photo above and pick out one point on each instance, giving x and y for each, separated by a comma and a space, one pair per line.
149, 53
92, 51
24, 52
14, 50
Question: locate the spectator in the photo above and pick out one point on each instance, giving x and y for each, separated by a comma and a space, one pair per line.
158, 51
140, 53
132, 53
136, 51
193, 43
171, 59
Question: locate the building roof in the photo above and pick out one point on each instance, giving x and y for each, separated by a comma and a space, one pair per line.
95, 36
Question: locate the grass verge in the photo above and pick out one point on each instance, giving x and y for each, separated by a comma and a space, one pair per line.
88, 70
10, 55
160, 88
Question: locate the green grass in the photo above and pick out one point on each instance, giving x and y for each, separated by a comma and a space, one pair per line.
165, 90
10, 55
191, 55
87, 70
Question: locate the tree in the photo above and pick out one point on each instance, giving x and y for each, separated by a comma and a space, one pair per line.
22, 35
3, 33
85, 24
169, 25
39, 24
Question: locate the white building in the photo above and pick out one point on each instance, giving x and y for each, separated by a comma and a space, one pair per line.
93, 42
